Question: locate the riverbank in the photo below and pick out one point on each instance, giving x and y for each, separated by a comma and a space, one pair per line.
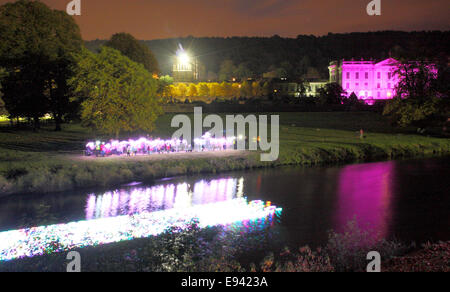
49, 161
431, 258
192, 249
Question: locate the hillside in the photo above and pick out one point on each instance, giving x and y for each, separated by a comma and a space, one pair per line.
297, 55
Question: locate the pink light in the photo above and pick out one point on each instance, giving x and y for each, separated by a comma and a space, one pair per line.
365, 192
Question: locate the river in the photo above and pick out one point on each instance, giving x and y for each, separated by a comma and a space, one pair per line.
407, 200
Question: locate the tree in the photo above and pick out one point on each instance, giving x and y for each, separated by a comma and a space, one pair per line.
182, 90
226, 89
36, 45
332, 93
267, 89
214, 89
243, 72
3, 111
227, 70
257, 90
136, 51
164, 83
203, 90
120, 95
193, 92
246, 89
420, 97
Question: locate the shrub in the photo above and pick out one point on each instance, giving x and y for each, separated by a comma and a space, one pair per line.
348, 250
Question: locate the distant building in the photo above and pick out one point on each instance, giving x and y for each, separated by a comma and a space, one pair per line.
185, 67
369, 80
185, 71
312, 87
285, 87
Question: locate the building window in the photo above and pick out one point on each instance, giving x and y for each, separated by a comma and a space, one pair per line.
367, 75
379, 75
366, 84
378, 94
389, 75
348, 85
348, 75
357, 85
378, 85
389, 85
357, 75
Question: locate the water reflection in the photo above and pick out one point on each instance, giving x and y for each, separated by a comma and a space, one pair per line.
61, 237
407, 200
365, 193
162, 197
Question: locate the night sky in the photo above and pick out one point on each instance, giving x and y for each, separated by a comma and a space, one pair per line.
149, 19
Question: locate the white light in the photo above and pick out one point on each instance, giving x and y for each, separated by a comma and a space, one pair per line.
183, 58
39, 240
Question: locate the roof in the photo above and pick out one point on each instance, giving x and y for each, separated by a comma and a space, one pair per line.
388, 62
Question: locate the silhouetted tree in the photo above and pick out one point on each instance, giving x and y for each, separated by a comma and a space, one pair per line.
36, 47
331, 94
133, 49
420, 97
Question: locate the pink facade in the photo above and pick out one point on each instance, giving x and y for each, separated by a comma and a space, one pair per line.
369, 80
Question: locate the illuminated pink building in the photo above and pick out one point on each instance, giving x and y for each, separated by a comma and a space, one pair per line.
369, 80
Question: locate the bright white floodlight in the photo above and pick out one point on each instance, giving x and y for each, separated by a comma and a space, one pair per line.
184, 59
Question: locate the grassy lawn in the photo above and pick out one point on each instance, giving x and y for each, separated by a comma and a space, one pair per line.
48, 161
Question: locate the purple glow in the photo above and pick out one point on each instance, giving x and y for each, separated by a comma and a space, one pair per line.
139, 200
365, 192
369, 80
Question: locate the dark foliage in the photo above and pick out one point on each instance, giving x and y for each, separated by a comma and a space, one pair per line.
300, 55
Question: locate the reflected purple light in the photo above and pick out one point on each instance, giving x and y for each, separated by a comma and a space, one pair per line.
365, 192
138, 200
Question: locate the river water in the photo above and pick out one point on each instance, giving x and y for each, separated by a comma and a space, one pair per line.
408, 200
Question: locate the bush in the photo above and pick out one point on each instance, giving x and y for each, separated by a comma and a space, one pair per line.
348, 250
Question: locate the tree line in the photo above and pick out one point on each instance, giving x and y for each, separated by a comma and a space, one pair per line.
45, 69
245, 89
305, 55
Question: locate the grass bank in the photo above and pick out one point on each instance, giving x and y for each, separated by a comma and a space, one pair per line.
49, 161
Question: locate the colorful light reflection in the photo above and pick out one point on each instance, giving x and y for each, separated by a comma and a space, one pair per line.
182, 195
56, 238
